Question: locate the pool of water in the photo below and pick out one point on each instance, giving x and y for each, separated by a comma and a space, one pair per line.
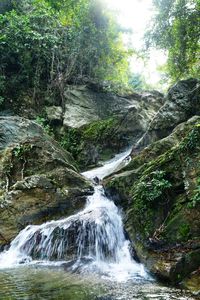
49, 283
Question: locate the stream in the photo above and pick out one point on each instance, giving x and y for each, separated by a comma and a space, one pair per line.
84, 256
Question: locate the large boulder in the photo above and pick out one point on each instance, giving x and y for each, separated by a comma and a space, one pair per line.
181, 103
160, 193
39, 181
83, 105
100, 124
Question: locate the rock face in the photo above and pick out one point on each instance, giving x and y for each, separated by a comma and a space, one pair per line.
84, 105
91, 123
38, 179
160, 193
103, 123
182, 102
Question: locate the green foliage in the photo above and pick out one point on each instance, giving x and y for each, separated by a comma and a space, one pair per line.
149, 188
100, 130
176, 28
195, 199
21, 150
184, 232
46, 44
71, 140
26, 43
192, 140
43, 122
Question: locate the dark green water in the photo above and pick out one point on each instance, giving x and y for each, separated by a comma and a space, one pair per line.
44, 283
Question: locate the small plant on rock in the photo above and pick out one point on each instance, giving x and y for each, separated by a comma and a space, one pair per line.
195, 200
150, 188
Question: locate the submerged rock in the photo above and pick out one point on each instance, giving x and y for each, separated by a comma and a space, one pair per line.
39, 181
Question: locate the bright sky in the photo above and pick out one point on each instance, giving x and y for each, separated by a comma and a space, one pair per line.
136, 14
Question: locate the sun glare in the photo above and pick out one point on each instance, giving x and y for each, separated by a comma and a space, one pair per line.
133, 13
136, 15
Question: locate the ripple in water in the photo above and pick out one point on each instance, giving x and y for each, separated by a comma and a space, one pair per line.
42, 283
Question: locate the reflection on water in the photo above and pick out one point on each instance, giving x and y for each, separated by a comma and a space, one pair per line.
42, 283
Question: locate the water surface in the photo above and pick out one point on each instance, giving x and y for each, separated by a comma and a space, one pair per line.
49, 283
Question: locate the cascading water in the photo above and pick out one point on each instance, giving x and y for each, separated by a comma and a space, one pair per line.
92, 240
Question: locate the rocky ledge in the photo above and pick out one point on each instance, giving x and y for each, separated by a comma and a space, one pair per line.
160, 194
39, 181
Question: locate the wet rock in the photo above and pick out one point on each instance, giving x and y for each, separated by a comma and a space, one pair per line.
159, 192
38, 179
76, 237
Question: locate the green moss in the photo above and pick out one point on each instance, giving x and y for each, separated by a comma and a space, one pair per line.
184, 231
195, 199
99, 137
158, 185
71, 141
100, 130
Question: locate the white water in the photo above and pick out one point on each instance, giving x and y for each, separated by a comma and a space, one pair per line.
109, 167
92, 239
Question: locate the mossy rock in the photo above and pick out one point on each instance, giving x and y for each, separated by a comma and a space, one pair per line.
39, 180
160, 189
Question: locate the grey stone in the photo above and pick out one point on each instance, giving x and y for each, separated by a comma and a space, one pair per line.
54, 113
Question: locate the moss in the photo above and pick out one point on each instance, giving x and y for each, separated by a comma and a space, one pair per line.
100, 130
193, 283
195, 199
94, 142
159, 184
184, 231
71, 141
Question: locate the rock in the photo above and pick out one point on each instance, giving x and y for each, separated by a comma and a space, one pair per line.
84, 105
93, 124
72, 238
159, 192
54, 113
39, 181
105, 123
182, 102
192, 283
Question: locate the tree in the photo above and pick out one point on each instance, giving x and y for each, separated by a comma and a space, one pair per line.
46, 44
176, 29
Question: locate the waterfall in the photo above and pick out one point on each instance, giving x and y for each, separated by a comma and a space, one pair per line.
92, 240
